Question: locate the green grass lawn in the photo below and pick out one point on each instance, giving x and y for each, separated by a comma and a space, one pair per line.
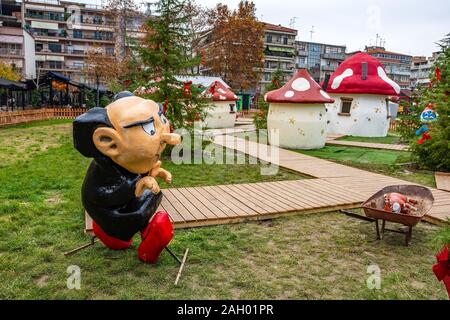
389, 139
302, 256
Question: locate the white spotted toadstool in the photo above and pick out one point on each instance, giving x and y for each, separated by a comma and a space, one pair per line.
222, 110
297, 112
361, 90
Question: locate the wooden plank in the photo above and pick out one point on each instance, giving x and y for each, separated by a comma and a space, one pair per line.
272, 191
226, 199
244, 198
297, 191
234, 204
197, 203
266, 197
178, 206
267, 204
296, 196
212, 207
219, 204
193, 210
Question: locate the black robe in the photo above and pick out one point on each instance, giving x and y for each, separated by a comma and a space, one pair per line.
108, 195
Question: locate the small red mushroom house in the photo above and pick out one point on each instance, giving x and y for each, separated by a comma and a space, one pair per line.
222, 110
361, 90
297, 112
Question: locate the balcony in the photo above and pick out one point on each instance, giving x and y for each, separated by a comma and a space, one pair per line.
45, 16
11, 52
334, 56
328, 68
91, 37
303, 53
62, 51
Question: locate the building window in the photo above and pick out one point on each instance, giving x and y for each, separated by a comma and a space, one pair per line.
269, 38
54, 47
77, 34
285, 40
346, 106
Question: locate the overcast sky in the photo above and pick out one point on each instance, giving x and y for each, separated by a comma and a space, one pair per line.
407, 26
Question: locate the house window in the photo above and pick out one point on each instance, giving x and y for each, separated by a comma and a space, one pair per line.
232, 108
269, 38
346, 106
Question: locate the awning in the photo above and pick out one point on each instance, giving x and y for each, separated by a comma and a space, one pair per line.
280, 49
58, 76
11, 39
44, 25
12, 85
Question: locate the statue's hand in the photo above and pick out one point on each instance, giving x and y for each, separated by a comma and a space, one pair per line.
166, 175
147, 183
157, 171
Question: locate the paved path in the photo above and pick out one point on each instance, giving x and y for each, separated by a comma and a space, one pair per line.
332, 140
352, 180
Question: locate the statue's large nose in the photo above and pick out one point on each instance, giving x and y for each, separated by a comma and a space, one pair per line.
171, 138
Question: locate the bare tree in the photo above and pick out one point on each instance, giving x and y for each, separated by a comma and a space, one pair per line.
101, 68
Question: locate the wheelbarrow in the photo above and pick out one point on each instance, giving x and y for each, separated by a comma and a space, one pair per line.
374, 210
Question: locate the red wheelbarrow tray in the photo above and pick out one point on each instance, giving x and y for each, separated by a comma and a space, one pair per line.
421, 194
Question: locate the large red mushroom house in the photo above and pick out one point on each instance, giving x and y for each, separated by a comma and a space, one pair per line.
361, 90
222, 110
297, 112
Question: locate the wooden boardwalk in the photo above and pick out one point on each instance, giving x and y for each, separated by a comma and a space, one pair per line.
332, 140
224, 204
352, 180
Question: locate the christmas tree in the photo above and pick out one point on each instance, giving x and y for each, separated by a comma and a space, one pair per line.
260, 118
433, 153
165, 54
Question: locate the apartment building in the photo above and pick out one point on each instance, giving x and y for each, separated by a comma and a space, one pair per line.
421, 69
64, 30
17, 46
397, 65
279, 52
319, 59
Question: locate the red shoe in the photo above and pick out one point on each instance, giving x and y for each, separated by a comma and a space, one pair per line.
111, 242
447, 285
155, 237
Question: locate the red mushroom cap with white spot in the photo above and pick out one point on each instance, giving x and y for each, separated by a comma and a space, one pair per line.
349, 77
300, 89
218, 92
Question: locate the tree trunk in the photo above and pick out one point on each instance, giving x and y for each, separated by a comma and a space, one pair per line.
120, 37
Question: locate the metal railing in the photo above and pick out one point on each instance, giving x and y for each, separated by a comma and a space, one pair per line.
336, 56
45, 16
11, 52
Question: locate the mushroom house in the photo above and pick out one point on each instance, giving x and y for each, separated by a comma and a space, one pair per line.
297, 111
222, 111
361, 90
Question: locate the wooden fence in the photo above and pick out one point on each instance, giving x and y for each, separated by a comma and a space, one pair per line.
24, 116
396, 123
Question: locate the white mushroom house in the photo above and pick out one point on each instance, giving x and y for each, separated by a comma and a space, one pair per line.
361, 90
297, 113
222, 110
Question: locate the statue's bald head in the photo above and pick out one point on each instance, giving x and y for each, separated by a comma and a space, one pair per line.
133, 132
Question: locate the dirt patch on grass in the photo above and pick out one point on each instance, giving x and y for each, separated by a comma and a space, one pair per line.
54, 199
41, 281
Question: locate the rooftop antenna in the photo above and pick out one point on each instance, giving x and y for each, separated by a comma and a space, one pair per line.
292, 22
312, 32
